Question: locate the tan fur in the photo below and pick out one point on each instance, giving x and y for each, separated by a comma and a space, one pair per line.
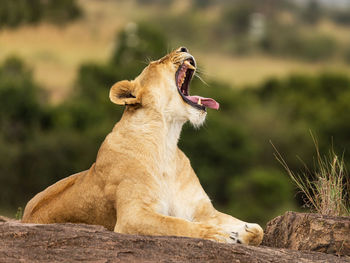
141, 182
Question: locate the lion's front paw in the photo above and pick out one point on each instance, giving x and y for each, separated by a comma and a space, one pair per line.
251, 234
245, 233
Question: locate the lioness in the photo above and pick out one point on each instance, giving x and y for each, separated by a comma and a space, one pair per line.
141, 182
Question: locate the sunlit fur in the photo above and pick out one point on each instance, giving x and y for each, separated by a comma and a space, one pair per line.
141, 182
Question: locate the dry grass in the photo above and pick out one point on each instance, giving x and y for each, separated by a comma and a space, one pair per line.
328, 192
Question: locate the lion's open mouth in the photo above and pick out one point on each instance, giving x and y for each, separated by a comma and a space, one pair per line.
183, 78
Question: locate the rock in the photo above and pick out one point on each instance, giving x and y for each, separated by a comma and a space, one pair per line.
77, 242
312, 232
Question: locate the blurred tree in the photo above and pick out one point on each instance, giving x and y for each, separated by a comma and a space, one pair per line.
340, 16
20, 111
17, 12
312, 12
155, 2
38, 143
202, 3
137, 45
61, 11
238, 17
20, 115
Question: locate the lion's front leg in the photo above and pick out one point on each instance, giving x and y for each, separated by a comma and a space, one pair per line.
137, 214
147, 222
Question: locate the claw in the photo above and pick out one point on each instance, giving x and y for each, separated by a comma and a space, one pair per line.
234, 237
235, 234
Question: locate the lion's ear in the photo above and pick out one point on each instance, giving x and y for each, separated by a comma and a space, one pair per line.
123, 93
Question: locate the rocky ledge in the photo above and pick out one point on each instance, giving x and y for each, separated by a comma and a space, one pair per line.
77, 242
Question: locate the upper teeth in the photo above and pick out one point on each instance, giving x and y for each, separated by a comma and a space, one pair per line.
186, 65
182, 80
199, 101
189, 65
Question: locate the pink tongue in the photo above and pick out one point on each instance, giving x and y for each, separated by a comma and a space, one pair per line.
207, 102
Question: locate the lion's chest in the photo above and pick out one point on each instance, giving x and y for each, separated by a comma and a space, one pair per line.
173, 200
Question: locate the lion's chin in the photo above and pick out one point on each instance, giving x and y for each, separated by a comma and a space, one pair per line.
197, 118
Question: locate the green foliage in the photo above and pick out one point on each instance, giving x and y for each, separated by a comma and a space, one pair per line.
16, 12
137, 45
19, 213
61, 11
260, 195
20, 115
202, 3
316, 103
312, 12
340, 16
238, 17
19, 108
155, 2
38, 145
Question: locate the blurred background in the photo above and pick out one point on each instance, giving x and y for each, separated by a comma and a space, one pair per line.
279, 68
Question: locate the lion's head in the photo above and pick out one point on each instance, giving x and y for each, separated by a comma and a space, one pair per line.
163, 86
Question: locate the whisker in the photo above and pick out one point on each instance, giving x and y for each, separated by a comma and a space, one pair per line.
202, 80
146, 61
202, 71
149, 60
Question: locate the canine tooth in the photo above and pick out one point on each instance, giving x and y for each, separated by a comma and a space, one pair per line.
188, 64
199, 101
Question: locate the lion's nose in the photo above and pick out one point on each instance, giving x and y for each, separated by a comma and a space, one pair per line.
183, 49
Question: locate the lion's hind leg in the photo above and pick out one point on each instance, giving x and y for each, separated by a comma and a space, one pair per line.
42, 207
151, 223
